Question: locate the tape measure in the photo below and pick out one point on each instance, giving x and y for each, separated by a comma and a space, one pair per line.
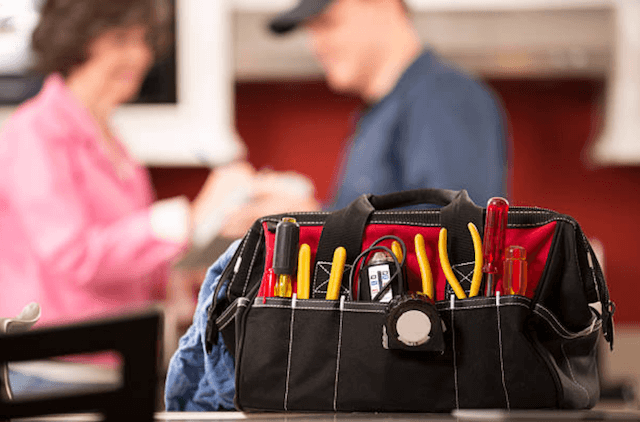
412, 323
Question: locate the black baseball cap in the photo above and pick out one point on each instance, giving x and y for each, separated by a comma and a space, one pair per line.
290, 19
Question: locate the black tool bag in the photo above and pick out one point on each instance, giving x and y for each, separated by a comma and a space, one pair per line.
530, 351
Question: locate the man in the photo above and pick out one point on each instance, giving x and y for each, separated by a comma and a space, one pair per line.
427, 125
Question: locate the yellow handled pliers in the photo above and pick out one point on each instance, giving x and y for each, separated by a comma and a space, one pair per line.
425, 268
446, 265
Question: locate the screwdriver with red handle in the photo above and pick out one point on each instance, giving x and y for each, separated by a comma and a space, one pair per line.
495, 228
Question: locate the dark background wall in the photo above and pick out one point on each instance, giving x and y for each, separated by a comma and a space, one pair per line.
301, 126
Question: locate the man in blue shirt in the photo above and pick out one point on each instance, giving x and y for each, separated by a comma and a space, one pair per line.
427, 124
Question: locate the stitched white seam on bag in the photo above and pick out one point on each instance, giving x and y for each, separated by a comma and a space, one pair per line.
452, 301
465, 277
228, 312
461, 307
556, 325
229, 315
417, 212
286, 385
313, 304
591, 266
418, 224
421, 212
301, 223
564, 353
504, 383
223, 320
243, 243
311, 308
335, 387
251, 267
316, 289
241, 301
465, 307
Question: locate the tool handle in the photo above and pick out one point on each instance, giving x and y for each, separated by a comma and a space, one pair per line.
285, 249
413, 197
304, 263
337, 269
425, 268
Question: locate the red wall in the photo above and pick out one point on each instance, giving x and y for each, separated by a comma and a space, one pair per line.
553, 124
301, 126
295, 125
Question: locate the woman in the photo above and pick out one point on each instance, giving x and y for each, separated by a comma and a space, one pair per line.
80, 232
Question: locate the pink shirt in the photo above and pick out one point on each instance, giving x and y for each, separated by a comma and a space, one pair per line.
74, 235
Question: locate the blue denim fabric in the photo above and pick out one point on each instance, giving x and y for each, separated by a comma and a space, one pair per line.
197, 380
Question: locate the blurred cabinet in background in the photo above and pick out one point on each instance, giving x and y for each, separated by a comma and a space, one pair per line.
497, 39
620, 139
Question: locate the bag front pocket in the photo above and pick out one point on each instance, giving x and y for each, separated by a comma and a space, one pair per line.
288, 357
315, 355
496, 364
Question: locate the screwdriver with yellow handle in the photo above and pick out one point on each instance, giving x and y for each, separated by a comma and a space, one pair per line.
285, 249
304, 266
335, 277
425, 268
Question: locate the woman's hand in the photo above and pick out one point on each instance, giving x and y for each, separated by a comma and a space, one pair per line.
226, 187
271, 193
235, 195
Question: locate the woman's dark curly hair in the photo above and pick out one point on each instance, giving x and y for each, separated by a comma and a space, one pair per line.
66, 28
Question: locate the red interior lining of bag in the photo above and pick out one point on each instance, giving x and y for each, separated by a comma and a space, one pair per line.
536, 240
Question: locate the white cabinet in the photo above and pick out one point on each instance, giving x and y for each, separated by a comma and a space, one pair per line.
619, 142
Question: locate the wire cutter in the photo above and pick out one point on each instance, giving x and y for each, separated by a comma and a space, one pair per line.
446, 265
425, 268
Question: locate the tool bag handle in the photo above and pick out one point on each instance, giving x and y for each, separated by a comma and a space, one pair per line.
407, 198
345, 227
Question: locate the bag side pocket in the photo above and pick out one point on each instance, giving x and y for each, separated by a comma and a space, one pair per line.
571, 356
